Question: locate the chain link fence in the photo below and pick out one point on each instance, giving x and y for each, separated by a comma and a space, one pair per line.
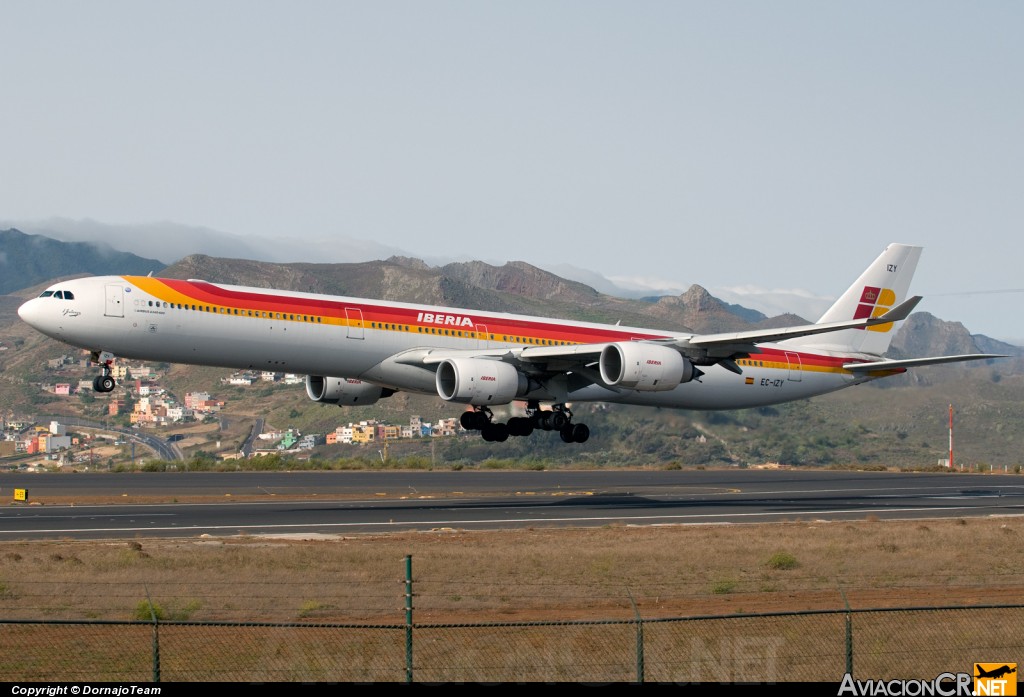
818, 646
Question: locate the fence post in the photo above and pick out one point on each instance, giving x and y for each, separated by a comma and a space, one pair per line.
639, 639
156, 636
849, 634
408, 618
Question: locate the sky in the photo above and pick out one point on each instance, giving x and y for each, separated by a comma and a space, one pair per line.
765, 151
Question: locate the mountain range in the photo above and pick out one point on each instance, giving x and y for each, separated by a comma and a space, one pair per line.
26, 260
30, 262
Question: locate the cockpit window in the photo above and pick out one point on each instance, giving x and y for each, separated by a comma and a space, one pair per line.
59, 294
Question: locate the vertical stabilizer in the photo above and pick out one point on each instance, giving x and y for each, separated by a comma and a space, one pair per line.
882, 286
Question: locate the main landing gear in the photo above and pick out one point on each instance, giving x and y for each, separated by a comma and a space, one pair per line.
558, 418
104, 382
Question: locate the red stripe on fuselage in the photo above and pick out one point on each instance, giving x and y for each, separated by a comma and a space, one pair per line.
499, 327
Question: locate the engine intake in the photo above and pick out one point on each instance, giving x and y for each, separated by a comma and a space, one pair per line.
479, 381
644, 367
343, 391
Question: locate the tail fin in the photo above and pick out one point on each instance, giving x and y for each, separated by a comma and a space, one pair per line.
882, 286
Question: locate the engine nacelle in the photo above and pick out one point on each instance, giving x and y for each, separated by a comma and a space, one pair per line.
343, 391
479, 381
644, 367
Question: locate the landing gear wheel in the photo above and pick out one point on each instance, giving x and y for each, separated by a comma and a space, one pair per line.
475, 420
553, 420
497, 433
520, 426
103, 383
575, 433
580, 433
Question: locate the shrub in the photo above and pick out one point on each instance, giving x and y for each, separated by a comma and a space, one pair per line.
782, 561
186, 612
309, 607
723, 587
146, 611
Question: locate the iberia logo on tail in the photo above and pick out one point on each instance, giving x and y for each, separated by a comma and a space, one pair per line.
875, 302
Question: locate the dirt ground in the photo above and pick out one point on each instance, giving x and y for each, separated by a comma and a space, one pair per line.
534, 574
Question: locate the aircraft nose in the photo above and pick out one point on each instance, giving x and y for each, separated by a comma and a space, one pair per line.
25, 311
31, 313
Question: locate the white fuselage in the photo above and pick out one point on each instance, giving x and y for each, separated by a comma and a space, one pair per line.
199, 323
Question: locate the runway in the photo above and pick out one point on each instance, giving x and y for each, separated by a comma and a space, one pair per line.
314, 504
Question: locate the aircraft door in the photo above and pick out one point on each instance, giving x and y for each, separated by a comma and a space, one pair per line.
793, 359
483, 341
354, 316
114, 301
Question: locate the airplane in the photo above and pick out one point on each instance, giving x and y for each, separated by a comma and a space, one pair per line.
995, 672
355, 351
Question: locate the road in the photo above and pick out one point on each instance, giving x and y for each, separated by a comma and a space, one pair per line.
163, 449
339, 503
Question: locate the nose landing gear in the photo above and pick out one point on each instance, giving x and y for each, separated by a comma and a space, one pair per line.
104, 382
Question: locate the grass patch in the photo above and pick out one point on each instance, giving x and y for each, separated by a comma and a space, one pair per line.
146, 611
723, 586
782, 561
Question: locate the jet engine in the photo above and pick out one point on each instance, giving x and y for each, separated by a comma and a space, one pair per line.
479, 381
644, 367
343, 391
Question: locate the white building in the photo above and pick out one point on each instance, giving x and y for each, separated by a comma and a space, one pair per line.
179, 413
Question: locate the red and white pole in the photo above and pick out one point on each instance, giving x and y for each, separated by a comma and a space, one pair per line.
950, 435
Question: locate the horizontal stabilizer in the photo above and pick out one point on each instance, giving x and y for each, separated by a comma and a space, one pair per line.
916, 362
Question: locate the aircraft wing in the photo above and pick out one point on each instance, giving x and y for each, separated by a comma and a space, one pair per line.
759, 336
566, 357
706, 349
